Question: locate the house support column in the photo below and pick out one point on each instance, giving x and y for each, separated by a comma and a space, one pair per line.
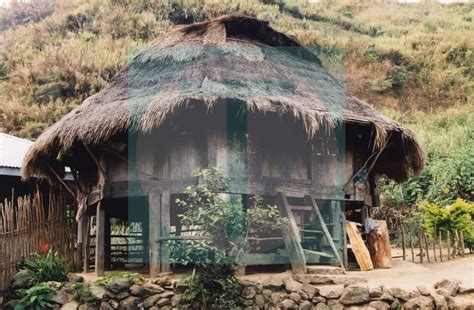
100, 241
159, 228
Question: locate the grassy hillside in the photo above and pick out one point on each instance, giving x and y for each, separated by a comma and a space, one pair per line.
413, 61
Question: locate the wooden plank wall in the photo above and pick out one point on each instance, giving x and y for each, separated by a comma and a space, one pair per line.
31, 220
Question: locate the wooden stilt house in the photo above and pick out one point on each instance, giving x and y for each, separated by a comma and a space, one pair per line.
231, 93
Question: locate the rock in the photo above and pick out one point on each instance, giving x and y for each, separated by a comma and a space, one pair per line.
386, 297
395, 304
176, 300
249, 292
318, 299
291, 285
129, 303
60, 297
330, 291
22, 279
275, 298
87, 306
267, 294
354, 294
122, 295
272, 282
464, 290
447, 287
334, 304
315, 279
259, 300
400, 294
72, 305
151, 301
105, 306
288, 304
151, 289
423, 290
164, 281
421, 302
310, 289
295, 296
305, 305
137, 290
379, 305
115, 304
163, 301
304, 295
167, 294
119, 285
97, 290
74, 278
320, 306
439, 301
376, 292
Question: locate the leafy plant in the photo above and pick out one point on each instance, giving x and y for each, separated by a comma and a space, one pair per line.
37, 297
457, 216
117, 275
47, 267
82, 294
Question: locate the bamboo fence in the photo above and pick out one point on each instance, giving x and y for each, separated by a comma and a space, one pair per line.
30, 221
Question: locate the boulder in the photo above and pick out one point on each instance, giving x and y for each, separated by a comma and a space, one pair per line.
119, 285
105, 306
421, 302
151, 289
122, 295
288, 304
447, 287
249, 292
386, 297
305, 305
354, 294
376, 292
318, 299
137, 290
330, 291
151, 301
310, 289
60, 297
400, 293
22, 279
259, 300
291, 285
97, 290
439, 301
295, 296
320, 306
167, 294
379, 305
334, 304
130, 303
163, 301
275, 298
74, 278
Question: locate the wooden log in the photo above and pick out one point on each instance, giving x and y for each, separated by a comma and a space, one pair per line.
87, 243
403, 246
358, 247
292, 238
448, 239
420, 239
100, 241
411, 247
440, 246
378, 243
165, 219
154, 200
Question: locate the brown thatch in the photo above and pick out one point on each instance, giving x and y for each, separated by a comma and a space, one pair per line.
232, 57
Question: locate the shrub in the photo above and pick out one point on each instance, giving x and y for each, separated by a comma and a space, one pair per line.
117, 275
47, 267
37, 297
82, 294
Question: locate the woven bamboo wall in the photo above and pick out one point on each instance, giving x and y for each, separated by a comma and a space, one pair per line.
32, 220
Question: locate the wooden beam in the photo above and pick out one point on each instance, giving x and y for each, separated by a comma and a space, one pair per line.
326, 231
292, 239
100, 241
358, 247
87, 243
154, 233
165, 230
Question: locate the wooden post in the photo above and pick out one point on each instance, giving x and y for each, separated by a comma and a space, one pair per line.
107, 244
440, 246
79, 245
411, 246
434, 246
448, 238
456, 243
154, 233
378, 243
461, 243
425, 237
403, 243
100, 240
87, 243
420, 239
165, 230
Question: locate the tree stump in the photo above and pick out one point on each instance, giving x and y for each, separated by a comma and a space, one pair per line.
379, 246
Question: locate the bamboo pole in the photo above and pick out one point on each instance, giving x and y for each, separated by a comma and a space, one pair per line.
403, 243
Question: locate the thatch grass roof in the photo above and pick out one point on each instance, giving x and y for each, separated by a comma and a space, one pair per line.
231, 57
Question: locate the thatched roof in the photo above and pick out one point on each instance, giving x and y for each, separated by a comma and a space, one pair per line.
231, 57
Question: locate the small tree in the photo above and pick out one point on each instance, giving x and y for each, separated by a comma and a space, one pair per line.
223, 227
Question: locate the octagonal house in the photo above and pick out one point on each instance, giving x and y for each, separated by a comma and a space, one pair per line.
231, 93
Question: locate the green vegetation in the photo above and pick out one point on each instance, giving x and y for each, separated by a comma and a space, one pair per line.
224, 226
37, 297
132, 276
47, 267
82, 293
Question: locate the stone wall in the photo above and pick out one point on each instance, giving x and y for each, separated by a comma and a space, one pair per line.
304, 292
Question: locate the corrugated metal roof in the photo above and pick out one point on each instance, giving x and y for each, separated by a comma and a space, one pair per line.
12, 150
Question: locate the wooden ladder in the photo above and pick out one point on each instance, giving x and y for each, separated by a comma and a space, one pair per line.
293, 237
